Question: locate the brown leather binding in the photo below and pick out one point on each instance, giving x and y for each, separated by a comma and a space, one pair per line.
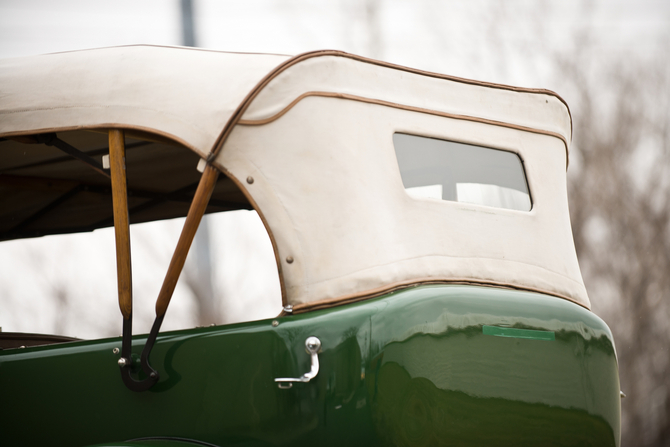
403, 107
237, 115
241, 187
384, 290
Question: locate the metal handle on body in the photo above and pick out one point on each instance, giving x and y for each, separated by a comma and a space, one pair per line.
312, 344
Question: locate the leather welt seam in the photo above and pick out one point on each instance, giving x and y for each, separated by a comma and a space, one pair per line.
380, 291
282, 112
237, 115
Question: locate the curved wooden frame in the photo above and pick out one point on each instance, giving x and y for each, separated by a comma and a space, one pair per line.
117, 158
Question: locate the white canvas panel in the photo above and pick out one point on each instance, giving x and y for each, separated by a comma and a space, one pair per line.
328, 185
186, 94
318, 142
344, 75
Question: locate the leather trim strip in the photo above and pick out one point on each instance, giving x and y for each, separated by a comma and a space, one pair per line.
404, 107
237, 115
384, 290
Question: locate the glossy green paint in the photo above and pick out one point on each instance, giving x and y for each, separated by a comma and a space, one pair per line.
158, 442
412, 368
498, 331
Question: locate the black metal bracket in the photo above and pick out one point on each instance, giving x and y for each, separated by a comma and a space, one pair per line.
50, 139
126, 361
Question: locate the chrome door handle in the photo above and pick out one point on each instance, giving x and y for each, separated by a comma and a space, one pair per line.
312, 345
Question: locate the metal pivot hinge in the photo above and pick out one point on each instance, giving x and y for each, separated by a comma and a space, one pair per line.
312, 345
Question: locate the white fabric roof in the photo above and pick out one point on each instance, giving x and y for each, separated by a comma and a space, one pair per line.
315, 134
183, 93
536, 109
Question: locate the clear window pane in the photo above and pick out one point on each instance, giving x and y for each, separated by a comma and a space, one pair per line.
458, 172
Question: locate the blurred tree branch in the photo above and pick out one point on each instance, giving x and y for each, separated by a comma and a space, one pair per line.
620, 209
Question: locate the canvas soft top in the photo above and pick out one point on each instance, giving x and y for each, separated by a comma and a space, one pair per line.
307, 142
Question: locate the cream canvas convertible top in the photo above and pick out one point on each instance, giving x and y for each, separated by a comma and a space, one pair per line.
308, 140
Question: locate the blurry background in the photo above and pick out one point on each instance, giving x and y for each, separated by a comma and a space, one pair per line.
607, 59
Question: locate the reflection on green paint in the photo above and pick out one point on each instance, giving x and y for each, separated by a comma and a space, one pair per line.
414, 412
413, 368
518, 333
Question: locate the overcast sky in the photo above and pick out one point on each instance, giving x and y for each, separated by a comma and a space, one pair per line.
444, 35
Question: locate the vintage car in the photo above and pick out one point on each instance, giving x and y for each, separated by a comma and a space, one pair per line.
430, 284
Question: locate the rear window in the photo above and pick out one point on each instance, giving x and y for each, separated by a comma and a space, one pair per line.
445, 170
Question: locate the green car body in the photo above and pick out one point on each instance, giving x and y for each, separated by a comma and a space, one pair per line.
419, 223
412, 368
